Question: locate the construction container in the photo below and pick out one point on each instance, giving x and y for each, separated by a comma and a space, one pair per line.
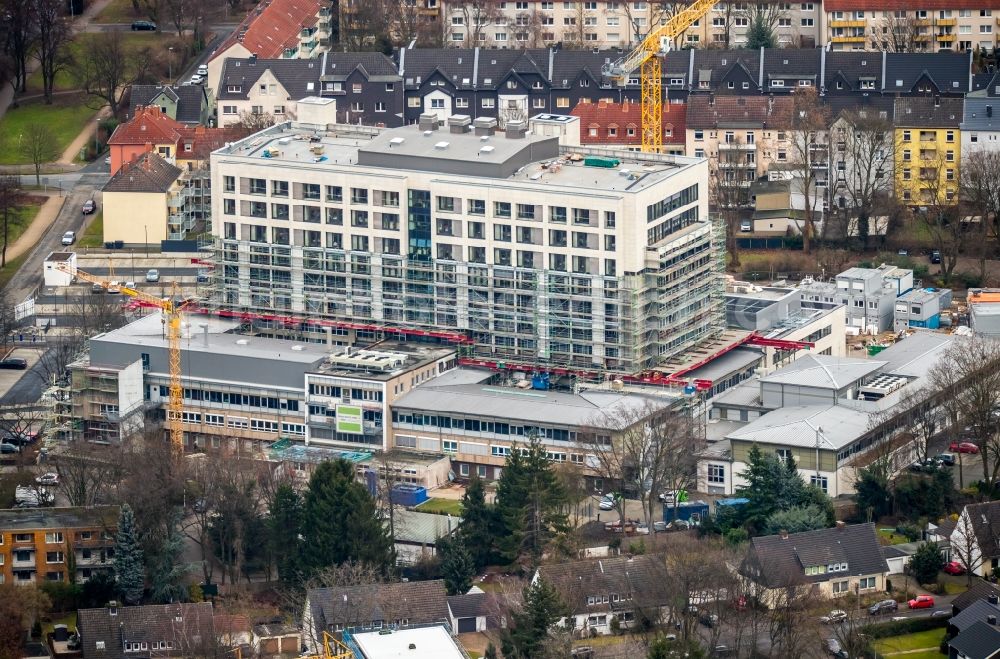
690, 511
404, 494
601, 161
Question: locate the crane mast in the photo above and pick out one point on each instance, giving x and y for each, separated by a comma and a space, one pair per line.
171, 309
645, 58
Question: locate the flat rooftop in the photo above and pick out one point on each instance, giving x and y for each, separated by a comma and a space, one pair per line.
920, 295
532, 159
24, 519
414, 643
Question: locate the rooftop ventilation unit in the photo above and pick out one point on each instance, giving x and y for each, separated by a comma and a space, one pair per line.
441, 146
881, 386
486, 149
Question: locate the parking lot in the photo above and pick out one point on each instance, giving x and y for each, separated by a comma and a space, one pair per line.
9, 377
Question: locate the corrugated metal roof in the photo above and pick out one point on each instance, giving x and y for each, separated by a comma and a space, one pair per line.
824, 371
797, 426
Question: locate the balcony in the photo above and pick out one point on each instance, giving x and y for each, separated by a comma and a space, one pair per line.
737, 146
854, 39
945, 22
30, 563
850, 23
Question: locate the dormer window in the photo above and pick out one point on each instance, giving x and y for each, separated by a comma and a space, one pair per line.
233, 89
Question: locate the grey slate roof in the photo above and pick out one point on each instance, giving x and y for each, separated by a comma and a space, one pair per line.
643, 576
190, 99
418, 602
928, 112
980, 641
950, 72
455, 64
801, 63
852, 66
867, 107
470, 605
147, 173
974, 612
189, 627
981, 113
980, 590
778, 561
375, 66
985, 519
295, 75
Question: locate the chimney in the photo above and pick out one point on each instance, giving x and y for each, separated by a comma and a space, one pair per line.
994, 600
992, 620
460, 123
841, 525
113, 608
253, 59
989, 110
784, 534
428, 121
515, 129
485, 126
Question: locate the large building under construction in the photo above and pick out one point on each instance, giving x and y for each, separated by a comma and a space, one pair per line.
524, 250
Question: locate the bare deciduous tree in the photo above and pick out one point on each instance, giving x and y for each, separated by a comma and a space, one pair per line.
38, 145
862, 153
808, 143
980, 189
896, 32
477, 15
10, 204
87, 472
54, 34
21, 36
108, 68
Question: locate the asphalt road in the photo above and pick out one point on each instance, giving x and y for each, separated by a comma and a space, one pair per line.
31, 385
29, 276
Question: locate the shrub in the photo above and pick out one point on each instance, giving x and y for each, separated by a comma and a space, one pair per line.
908, 626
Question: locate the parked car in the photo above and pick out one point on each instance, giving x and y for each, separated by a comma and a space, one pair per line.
885, 606
963, 447
107, 160
96, 288
746, 226
903, 252
203, 70
921, 602
834, 617
143, 26
9, 448
89, 207
834, 648
708, 619
153, 275
953, 567
935, 256
609, 501
114, 287
660, 526
196, 79
35, 495
941, 613
69, 238
50, 478
947, 459
641, 529
668, 496
15, 363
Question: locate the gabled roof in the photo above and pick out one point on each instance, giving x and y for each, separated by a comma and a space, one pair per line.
949, 72
272, 27
853, 66
979, 641
643, 577
981, 113
470, 605
299, 77
824, 371
190, 99
375, 67
801, 63
455, 64
738, 111
147, 173
781, 560
148, 126
717, 64
928, 112
985, 520
418, 602
977, 611
197, 142
872, 106
980, 590
188, 626
620, 115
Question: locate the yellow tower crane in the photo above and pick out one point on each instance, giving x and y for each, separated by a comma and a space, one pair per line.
171, 308
646, 57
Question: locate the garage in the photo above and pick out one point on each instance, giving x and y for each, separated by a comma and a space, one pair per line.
466, 625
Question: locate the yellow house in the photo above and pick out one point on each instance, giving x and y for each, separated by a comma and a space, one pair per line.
137, 200
927, 150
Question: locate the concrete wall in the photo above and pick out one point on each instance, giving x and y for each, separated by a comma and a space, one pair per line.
135, 217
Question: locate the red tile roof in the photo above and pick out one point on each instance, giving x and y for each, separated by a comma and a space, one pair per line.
271, 27
204, 141
620, 116
905, 5
148, 126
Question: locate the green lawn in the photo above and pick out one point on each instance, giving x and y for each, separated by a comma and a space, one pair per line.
94, 235
66, 118
120, 11
892, 537
441, 506
19, 222
12, 267
929, 639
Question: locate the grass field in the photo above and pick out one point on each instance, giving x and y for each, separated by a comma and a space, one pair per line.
119, 11
20, 221
12, 267
892, 537
66, 118
65, 79
929, 640
94, 235
441, 507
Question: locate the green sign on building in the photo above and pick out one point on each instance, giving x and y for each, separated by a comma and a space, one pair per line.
349, 419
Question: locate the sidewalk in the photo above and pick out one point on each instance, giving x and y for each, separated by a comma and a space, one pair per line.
43, 220
81, 140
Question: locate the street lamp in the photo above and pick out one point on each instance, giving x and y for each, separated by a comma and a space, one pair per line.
170, 64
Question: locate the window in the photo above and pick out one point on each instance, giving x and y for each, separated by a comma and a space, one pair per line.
359, 196
334, 193
501, 209
819, 481
841, 587
463, 469
562, 101
807, 22
866, 582
53, 538
716, 474
54, 557
229, 184
489, 103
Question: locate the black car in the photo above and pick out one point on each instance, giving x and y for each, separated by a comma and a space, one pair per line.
947, 459
935, 256
143, 26
885, 606
14, 363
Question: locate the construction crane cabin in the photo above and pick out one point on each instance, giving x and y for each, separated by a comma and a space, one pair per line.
646, 59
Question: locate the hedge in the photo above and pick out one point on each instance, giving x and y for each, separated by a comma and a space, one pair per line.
900, 627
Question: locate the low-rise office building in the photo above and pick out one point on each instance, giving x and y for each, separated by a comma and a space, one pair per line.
921, 307
984, 311
54, 544
868, 295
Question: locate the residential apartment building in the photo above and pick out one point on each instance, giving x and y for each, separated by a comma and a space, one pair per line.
243, 392
188, 104
143, 188
290, 29
333, 88
944, 25
539, 23
619, 125
56, 544
980, 128
605, 261
927, 142
796, 25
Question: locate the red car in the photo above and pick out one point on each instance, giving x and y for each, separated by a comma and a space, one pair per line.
921, 602
963, 447
953, 567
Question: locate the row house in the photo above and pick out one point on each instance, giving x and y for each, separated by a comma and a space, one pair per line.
927, 141
334, 88
980, 127
934, 26
620, 125
289, 29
